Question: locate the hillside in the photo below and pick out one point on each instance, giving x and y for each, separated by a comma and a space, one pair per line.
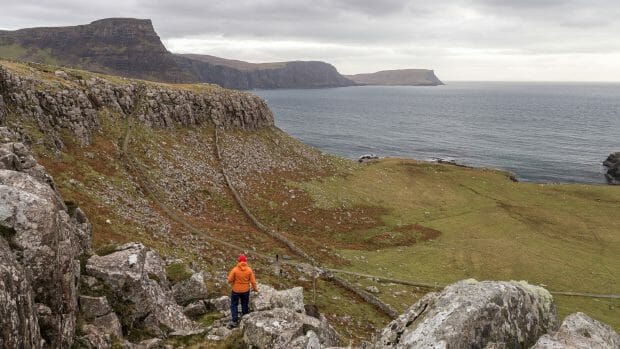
157, 163
131, 48
399, 77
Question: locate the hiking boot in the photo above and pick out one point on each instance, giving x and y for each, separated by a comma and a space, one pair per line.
232, 324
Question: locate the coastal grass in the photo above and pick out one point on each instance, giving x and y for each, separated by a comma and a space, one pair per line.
560, 236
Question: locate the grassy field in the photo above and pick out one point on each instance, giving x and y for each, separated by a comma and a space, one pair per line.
485, 227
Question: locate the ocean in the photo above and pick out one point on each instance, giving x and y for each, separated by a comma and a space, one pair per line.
542, 132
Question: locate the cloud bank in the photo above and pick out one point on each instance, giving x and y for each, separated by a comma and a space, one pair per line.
570, 40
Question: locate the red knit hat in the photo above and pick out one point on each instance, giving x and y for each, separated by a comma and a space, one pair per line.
242, 258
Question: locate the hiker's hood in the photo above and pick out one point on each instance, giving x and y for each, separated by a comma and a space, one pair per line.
242, 265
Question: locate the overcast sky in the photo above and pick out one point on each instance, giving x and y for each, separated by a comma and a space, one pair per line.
566, 40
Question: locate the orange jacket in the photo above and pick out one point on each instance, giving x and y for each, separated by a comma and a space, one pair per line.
241, 276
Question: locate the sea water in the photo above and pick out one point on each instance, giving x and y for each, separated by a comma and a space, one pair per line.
542, 132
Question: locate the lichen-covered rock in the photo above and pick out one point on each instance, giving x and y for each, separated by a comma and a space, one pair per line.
270, 298
472, 314
151, 307
93, 307
195, 309
282, 327
579, 331
221, 304
46, 238
190, 290
19, 326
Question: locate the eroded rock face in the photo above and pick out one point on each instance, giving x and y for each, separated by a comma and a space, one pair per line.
146, 303
76, 108
612, 163
46, 238
579, 331
472, 314
19, 327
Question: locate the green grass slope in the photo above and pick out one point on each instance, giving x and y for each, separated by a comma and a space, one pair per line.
485, 226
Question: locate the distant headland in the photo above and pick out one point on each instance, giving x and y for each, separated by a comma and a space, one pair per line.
403, 77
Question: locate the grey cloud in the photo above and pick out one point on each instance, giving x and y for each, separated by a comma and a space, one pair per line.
360, 32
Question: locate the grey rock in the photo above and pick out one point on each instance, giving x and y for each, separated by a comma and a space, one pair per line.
190, 290
471, 314
195, 309
93, 307
579, 331
19, 327
125, 274
221, 304
61, 74
281, 327
46, 239
372, 289
270, 298
109, 324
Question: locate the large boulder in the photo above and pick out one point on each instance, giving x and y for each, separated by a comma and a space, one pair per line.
472, 314
142, 301
190, 290
285, 328
613, 168
578, 331
270, 298
46, 237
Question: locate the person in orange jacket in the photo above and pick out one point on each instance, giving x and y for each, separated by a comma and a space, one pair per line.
240, 277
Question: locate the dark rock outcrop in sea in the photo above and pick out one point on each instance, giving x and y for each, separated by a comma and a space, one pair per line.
131, 47
612, 163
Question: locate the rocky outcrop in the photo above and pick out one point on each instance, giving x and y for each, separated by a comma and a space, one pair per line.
74, 104
472, 314
131, 47
42, 241
612, 163
270, 298
278, 320
579, 331
283, 328
190, 290
123, 276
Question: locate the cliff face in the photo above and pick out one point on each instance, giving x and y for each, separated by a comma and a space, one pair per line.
128, 47
72, 101
402, 77
244, 75
132, 48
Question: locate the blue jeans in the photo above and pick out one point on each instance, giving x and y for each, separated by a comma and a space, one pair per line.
234, 304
